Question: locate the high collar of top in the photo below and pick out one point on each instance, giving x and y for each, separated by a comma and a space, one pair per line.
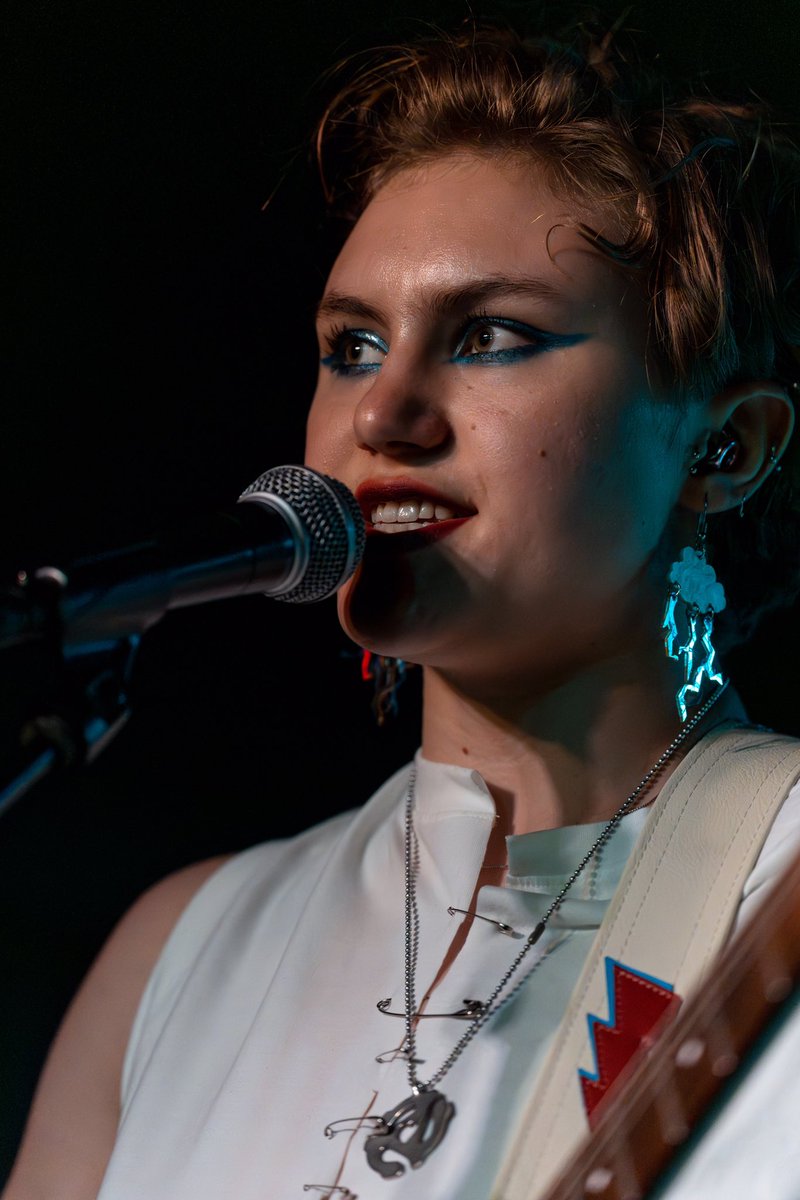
453, 817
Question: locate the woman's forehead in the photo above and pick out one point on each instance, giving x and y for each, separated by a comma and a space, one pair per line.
446, 225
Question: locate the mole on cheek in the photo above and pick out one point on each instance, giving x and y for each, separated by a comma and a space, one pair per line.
542, 454
465, 750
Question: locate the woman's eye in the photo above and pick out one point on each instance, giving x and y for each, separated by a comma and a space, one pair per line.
499, 340
357, 352
489, 339
354, 351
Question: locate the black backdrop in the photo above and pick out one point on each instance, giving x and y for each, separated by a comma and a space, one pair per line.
159, 356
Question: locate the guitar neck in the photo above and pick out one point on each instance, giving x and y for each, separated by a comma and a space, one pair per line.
653, 1108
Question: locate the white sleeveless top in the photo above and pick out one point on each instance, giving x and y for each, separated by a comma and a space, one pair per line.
259, 1026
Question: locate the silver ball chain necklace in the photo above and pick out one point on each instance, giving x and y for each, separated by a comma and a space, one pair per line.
415, 1127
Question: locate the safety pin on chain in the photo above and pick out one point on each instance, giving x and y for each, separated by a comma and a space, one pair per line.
329, 1189
401, 1051
471, 1010
353, 1125
508, 930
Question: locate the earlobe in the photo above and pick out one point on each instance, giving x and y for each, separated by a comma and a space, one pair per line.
749, 427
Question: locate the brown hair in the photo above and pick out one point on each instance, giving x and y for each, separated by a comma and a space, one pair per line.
710, 189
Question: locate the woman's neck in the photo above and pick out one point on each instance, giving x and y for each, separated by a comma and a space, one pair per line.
569, 756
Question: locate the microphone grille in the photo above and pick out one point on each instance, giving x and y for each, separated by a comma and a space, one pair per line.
331, 523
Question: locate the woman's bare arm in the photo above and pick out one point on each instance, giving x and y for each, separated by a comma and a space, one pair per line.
73, 1120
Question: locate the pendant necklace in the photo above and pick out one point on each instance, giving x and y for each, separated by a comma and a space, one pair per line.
416, 1126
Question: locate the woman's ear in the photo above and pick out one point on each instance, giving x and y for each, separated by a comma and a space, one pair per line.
749, 426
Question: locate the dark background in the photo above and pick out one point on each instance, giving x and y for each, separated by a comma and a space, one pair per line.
158, 356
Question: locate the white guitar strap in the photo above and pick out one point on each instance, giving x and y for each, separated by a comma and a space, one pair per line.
669, 918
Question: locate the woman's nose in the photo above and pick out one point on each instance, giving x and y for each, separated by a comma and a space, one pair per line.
399, 420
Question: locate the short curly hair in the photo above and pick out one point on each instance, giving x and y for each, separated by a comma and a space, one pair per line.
709, 188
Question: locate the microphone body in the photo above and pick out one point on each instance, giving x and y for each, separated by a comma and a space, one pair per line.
295, 535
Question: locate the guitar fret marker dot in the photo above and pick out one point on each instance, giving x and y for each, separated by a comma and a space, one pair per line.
598, 1181
690, 1052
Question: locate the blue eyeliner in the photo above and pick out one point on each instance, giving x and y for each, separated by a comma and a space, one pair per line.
537, 342
335, 360
540, 342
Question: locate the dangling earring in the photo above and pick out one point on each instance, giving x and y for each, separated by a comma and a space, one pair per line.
386, 675
694, 581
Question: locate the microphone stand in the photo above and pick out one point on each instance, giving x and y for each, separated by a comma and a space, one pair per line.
79, 703
294, 534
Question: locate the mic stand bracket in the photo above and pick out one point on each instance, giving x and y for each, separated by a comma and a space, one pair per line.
74, 699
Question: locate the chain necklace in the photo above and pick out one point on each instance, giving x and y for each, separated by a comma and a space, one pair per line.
415, 1127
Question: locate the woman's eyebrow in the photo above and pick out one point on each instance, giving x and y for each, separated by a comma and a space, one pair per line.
493, 287
338, 303
447, 299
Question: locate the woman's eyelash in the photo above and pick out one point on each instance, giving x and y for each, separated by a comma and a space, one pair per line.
476, 320
534, 340
336, 341
334, 337
340, 338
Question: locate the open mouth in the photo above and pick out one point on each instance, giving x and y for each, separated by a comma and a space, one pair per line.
391, 517
397, 507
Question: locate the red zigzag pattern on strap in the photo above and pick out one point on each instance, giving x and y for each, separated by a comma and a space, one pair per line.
637, 1003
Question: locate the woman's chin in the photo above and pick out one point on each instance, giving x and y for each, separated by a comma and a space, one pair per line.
403, 603
391, 622
375, 626
376, 604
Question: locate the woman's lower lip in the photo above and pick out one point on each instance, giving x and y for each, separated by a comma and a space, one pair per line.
417, 537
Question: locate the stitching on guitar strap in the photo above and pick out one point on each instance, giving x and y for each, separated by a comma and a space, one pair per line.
727, 742
662, 816
580, 997
757, 837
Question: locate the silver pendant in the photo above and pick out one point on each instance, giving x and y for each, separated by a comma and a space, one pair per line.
412, 1130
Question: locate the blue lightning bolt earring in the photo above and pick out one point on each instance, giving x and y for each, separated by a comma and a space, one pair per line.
693, 581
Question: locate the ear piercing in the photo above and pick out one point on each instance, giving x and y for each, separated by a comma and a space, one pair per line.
721, 457
774, 459
724, 456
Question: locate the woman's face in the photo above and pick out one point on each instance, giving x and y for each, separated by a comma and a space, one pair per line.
481, 359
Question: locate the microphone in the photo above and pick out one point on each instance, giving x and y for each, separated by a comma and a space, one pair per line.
294, 534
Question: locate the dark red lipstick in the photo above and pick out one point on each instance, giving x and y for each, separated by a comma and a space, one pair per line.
373, 492
416, 538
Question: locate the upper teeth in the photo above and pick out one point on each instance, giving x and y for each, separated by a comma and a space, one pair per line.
404, 513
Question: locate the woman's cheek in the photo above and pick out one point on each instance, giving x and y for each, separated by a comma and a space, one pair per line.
325, 441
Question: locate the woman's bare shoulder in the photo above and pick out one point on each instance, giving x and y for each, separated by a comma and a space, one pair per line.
73, 1120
